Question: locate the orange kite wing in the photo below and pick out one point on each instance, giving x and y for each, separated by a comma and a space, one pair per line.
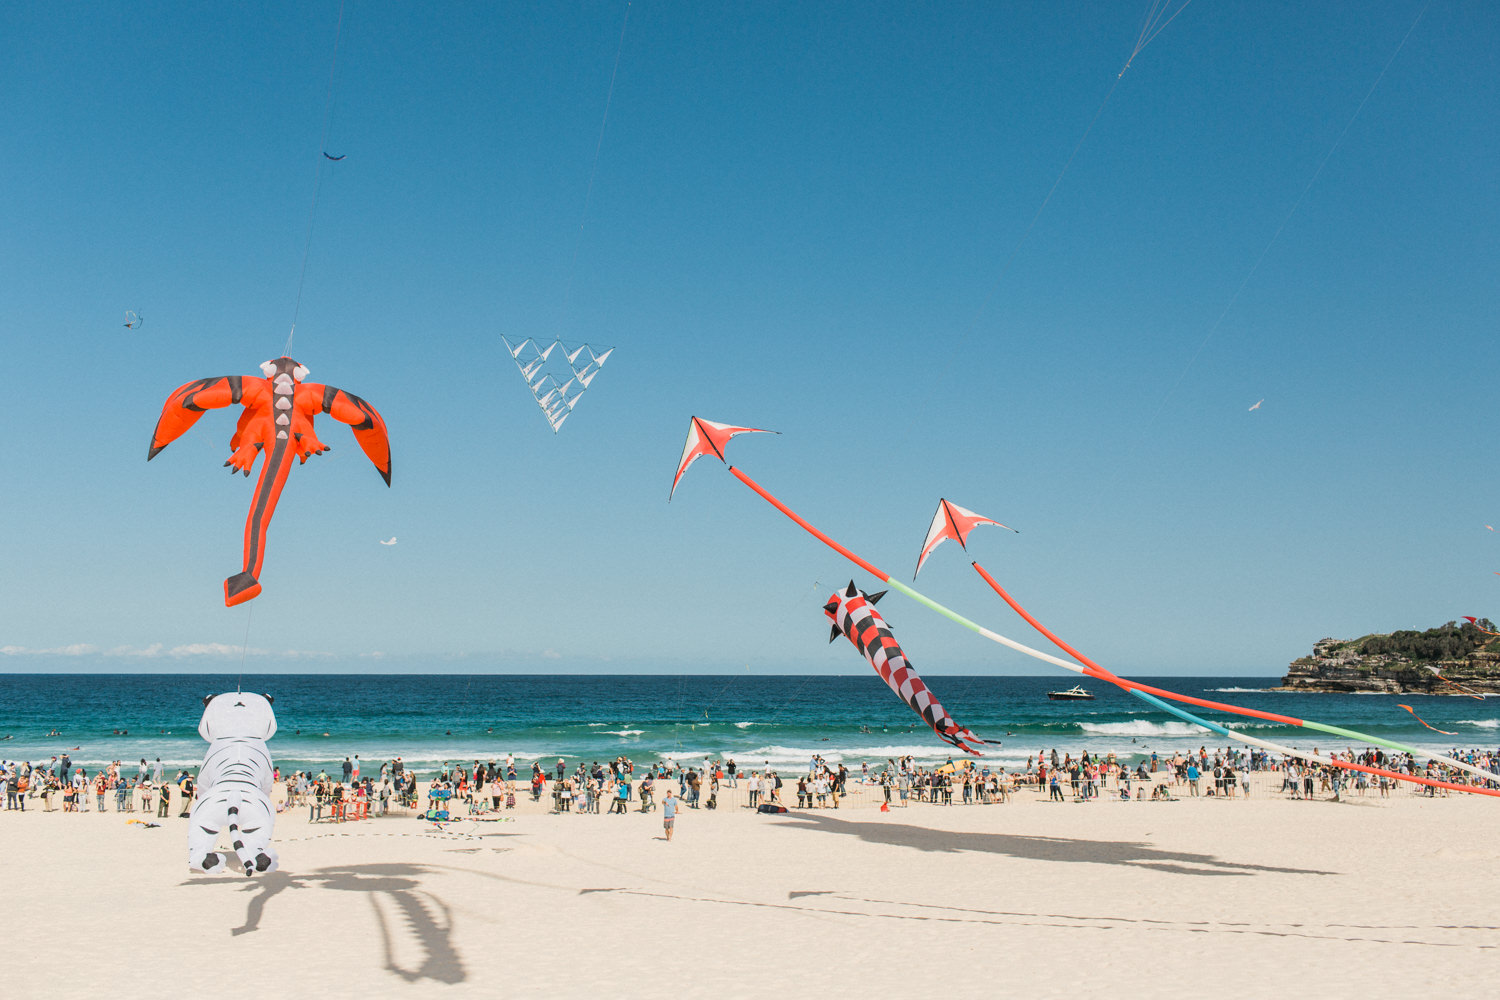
275, 429
183, 408
362, 418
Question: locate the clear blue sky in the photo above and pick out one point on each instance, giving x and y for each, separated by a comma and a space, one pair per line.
800, 219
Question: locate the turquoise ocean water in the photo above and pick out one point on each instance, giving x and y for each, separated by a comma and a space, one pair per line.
784, 720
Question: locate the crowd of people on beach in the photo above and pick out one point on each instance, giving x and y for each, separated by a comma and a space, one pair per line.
476, 788
60, 785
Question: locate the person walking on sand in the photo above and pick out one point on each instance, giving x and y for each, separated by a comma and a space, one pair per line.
668, 812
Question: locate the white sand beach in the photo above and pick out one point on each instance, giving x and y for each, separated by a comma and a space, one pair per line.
1369, 897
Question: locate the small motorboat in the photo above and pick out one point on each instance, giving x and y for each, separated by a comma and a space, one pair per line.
1075, 693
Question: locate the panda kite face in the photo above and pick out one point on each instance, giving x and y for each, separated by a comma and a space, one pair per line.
237, 715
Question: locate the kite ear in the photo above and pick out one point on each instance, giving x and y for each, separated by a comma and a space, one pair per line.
206, 699
852, 591
834, 633
875, 598
269, 699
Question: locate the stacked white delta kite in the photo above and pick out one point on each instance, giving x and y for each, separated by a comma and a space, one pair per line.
557, 373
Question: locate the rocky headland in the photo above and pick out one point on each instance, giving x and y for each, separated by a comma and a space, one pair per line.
1451, 659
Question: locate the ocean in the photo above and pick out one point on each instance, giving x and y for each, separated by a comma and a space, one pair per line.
780, 720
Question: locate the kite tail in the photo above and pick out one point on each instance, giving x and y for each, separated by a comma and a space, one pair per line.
1094, 670
273, 472
1147, 693
1424, 722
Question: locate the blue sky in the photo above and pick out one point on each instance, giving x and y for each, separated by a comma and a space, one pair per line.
800, 218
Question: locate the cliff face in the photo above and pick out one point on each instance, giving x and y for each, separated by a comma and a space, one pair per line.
1335, 666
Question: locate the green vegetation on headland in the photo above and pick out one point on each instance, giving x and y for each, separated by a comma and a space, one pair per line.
1443, 660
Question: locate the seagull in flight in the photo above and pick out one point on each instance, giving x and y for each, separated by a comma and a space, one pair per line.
391, 541
1256, 406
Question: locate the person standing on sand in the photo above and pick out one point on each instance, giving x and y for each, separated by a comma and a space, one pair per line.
668, 812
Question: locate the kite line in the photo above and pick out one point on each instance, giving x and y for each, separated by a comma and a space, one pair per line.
1214, 329
318, 177
707, 437
588, 194
1153, 26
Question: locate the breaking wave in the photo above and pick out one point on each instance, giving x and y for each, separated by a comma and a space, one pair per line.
1140, 727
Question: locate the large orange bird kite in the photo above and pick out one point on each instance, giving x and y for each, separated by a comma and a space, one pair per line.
278, 420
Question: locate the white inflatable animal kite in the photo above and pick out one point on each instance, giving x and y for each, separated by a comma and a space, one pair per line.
234, 785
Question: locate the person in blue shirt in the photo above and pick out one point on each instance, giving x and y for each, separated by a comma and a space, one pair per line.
668, 812
1192, 776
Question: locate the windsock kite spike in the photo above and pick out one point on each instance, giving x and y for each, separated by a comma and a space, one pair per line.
955, 522
705, 437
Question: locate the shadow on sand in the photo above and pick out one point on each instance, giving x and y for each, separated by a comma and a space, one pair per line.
395, 893
1062, 850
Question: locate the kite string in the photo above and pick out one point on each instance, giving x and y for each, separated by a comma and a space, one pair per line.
244, 649
1152, 27
594, 166
318, 178
1212, 330
1152, 16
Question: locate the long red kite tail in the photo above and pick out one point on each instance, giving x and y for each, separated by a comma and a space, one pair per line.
1423, 721
952, 522
705, 437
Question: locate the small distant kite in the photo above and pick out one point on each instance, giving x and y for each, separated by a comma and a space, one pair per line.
1475, 622
1491, 527
558, 388
1423, 721
133, 320
1439, 675
1256, 406
390, 541
335, 159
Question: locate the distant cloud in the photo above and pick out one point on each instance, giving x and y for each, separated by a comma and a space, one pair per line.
551, 654
77, 649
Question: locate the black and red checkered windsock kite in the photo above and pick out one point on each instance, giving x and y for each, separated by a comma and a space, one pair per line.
853, 614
